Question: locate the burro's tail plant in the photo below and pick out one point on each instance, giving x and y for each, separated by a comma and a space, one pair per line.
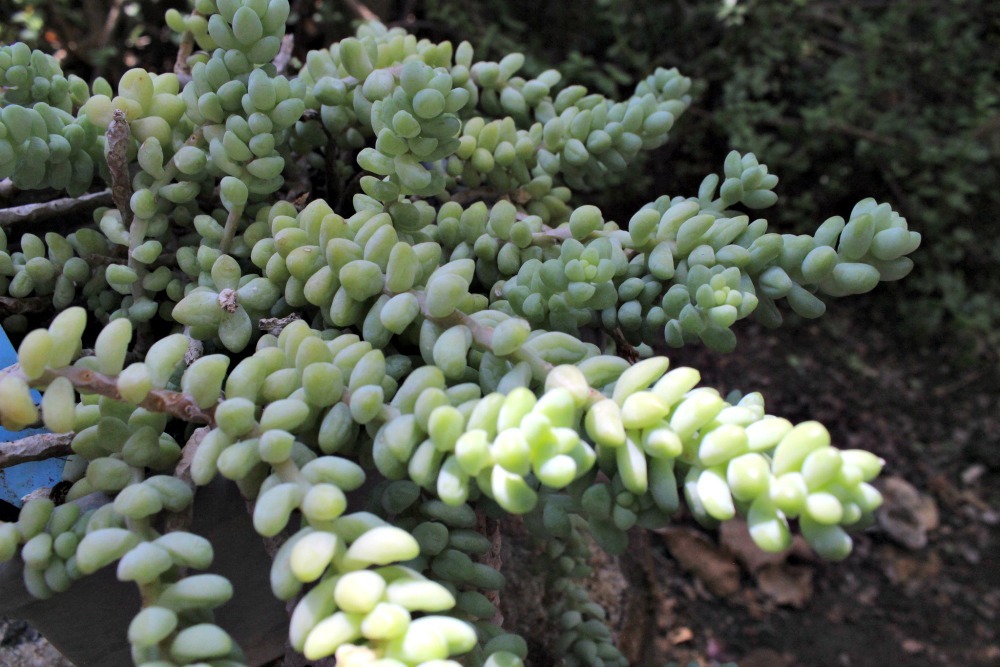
423, 336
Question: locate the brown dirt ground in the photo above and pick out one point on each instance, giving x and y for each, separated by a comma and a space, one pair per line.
931, 410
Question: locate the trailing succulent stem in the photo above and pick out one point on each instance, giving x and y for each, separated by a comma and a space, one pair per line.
426, 350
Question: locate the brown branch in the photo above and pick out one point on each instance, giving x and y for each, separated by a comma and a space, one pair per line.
118, 138
550, 236
624, 348
986, 128
229, 231
182, 470
184, 50
195, 348
284, 53
55, 208
274, 325
361, 11
182, 520
36, 447
490, 528
114, 13
86, 381
174, 403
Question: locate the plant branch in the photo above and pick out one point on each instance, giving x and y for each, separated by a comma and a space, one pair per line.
118, 138
174, 403
284, 53
136, 235
274, 325
360, 10
181, 521
170, 169
114, 13
550, 236
229, 231
86, 381
55, 208
36, 447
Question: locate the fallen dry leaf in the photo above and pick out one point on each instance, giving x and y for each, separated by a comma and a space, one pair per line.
708, 562
907, 514
787, 585
680, 635
912, 571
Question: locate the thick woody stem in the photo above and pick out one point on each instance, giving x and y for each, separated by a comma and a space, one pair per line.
229, 231
284, 53
35, 448
174, 403
86, 381
181, 521
55, 208
274, 325
118, 137
360, 10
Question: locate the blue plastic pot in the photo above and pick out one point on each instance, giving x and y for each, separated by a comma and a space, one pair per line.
20, 480
88, 622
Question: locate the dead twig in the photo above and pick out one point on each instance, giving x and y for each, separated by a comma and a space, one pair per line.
184, 50
114, 13
491, 529
284, 53
118, 137
36, 447
182, 520
55, 208
360, 10
86, 381
274, 325
625, 349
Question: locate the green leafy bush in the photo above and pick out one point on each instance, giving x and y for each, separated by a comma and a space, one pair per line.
416, 333
93, 38
897, 99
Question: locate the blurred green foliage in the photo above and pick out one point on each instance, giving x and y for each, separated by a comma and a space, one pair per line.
843, 99
92, 37
897, 99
